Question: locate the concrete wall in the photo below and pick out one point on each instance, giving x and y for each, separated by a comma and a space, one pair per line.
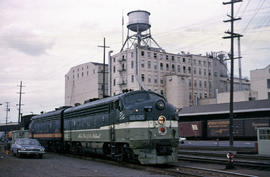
238, 96
84, 82
176, 87
258, 80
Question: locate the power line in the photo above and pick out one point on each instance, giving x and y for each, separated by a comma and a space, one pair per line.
256, 12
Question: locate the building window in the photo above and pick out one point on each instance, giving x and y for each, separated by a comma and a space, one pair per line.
161, 92
132, 64
189, 83
167, 67
200, 71
184, 60
155, 55
161, 66
268, 83
195, 62
205, 84
161, 80
78, 75
142, 53
142, 63
209, 73
195, 83
114, 60
132, 78
131, 54
204, 72
184, 69
113, 69
210, 85
160, 56
189, 70
142, 76
200, 84
268, 95
178, 68
205, 95
155, 65
149, 79
82, 74
173, 69
87, 73
172, 58
149, 64
156, 79
195, 71
149, 54
167, 57
114, 82
200, 63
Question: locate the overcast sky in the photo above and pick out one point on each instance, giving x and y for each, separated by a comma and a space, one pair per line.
40, 40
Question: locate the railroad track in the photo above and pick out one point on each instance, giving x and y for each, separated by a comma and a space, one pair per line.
216, 160
171, 169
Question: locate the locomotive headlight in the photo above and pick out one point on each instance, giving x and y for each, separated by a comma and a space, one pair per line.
161, 120
160, 104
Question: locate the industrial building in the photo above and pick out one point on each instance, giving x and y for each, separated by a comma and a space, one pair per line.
183, 78
84, 82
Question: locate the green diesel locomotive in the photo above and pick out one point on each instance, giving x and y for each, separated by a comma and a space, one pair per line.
138, 125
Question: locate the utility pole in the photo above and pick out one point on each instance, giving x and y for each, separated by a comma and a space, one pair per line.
232, 36
20, 101
104, 51
7, 110
239, 65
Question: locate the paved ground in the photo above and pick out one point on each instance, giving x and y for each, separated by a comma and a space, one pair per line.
250, 171
54, 165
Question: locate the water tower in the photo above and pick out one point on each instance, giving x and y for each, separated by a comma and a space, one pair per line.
138, 23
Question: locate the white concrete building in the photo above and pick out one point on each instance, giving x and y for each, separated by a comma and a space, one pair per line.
84, 82
182, 78
260, 82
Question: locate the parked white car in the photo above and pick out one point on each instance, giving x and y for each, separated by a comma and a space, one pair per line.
27, 146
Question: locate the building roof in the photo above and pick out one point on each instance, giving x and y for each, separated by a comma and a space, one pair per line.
244, 106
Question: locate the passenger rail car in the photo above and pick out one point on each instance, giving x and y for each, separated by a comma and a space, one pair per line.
138, 125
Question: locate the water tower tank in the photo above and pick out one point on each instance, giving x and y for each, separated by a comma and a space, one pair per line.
138, 20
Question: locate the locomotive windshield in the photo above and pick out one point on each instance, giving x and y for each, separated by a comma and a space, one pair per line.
136, 98
140, 97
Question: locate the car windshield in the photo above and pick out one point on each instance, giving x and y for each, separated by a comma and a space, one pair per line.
28, 142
